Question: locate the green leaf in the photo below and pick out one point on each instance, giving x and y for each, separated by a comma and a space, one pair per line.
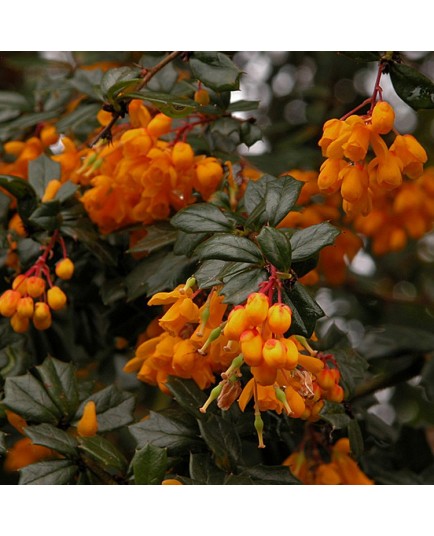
237, 287
157, 236
428, 379
114, 80
356, 439
53, 438
188, 395
309, 241
305, 310
250, 134
269, 474
352, 366
269, 199
173, 106
186, 243
26, 396
243, 106
215, 70
207, 275
149, 465
114, 408
88, 82
66, 191
413, 87
60, 383
223, 440
42, 170
47, 216
163, 80
17, 126
84, 114
225, 134
276, 247
54, 473
104, 453
10, 99
23, 192
204, 471
202, 218
228, 247
167, 429
335, 415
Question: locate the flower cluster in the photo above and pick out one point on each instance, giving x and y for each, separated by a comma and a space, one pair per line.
187, 340
346, 144
310, 468
33, 295
140, 178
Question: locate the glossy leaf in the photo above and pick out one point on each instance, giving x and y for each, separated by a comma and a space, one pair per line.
149, 465
222, 439
53, 438
66, 191
104, 452
228, 247
113, 80
270, 475
352, 366
42, 170
26, 396
276, 247
202, 218
188, 395
168, 104
207, 275
167, 429
335, 415
413, 87
47, 216
239, 285
157, 236
305, 310
114, 408
356, 439
186, 243
60, 383
54, 473
362, 57
216, 70
309, 241
203, 470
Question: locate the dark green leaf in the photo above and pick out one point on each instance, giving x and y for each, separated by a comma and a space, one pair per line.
228, 247
202, 218
26, 396
66, 191
204, 471
159, 235
269, 474
309, 241
352, 366
113, 80
223, 440
104, 453
276, 247
362, 57
308, 310
186, 243
226, 134
53, 438
114, 408
215, 70
83, 114
54, 473
238, 286
428, 378
18, 187
168, 104
60, 383
250, 133
10, 99
271, 198
88, 82
42, 170
335, 415
165, 79
188, 395
207, 275
47, 216
403, 477
413, 87
24, 122
243, 106
113, 291
149, 465
356, 439
167, 430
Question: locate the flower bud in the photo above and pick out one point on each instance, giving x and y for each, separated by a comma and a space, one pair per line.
56, 298
51, 190
87, 426
201, 96
49, 135
35, 286
251, 347
279, 318
9, 302
25, 307
20, 284
20, 324
325, 379
236, 324
335, 394
257, 306
64, 269
159, 125
274, 353
264, 374
182, 155
383, 117
42, 316
291, 354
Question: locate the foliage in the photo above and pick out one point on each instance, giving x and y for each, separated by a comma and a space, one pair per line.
149, 250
